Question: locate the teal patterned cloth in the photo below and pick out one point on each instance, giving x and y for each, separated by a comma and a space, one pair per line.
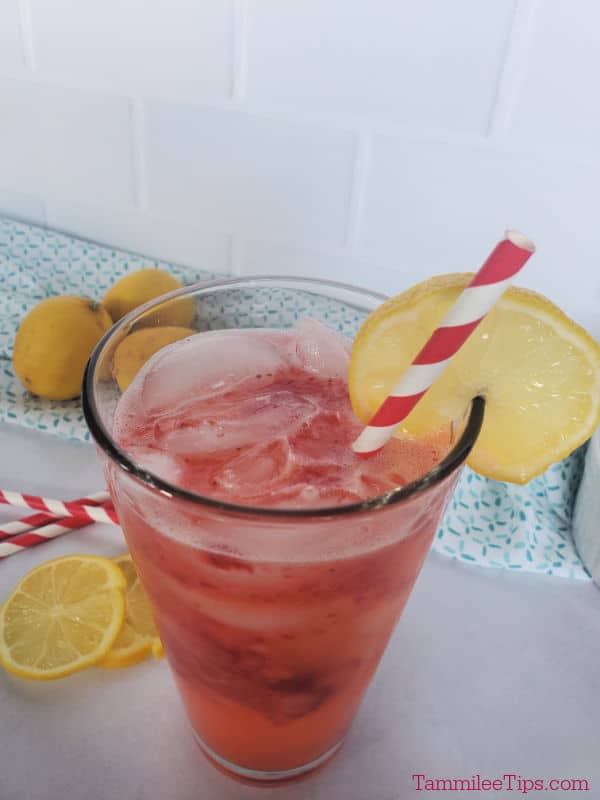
36, 263
526, 528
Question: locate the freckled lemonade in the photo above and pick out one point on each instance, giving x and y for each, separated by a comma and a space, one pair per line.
279, 562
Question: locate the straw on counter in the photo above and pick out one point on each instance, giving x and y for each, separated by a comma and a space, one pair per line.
37, 520
484, 290
24, 541
58, 508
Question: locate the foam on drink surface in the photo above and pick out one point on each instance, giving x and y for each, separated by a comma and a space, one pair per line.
260, 417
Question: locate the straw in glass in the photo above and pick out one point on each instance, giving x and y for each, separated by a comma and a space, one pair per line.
484, 290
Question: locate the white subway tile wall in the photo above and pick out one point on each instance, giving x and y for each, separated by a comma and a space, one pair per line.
440, 205
171, 239
72, 142
559, 101
432, 62
11, 50
179, 48
22, 206
370, 141
247, 172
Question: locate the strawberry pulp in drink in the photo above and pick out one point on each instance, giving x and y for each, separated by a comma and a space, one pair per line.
274, 614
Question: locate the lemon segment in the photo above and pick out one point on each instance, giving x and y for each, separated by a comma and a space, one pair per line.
138, 637
62, 617
537, 369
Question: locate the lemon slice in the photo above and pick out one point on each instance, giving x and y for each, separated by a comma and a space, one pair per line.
138, 637
537, 369
62, 617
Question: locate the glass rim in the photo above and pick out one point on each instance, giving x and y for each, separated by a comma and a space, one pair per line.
449, 464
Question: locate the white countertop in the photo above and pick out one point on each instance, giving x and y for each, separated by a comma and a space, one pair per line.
489, 672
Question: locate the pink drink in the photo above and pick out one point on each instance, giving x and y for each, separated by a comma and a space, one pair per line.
273, 624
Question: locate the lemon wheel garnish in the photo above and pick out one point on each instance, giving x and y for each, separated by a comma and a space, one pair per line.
62, 617
138, 637
537, 369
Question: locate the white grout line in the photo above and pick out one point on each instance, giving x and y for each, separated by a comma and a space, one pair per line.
24, 9
515, 62
362, 163
239, 68
138, 154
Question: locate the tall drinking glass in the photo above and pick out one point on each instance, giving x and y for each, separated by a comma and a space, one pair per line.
273, 620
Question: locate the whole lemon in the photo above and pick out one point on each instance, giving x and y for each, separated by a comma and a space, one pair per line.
133, 352
139, 287
54, 342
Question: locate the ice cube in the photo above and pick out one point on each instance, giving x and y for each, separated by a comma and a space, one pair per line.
227, 425
205, 365
258, 471
156, 461
321, 350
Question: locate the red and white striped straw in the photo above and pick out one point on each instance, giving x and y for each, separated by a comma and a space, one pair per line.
488, 284
24, 541
37, 520
58, 508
